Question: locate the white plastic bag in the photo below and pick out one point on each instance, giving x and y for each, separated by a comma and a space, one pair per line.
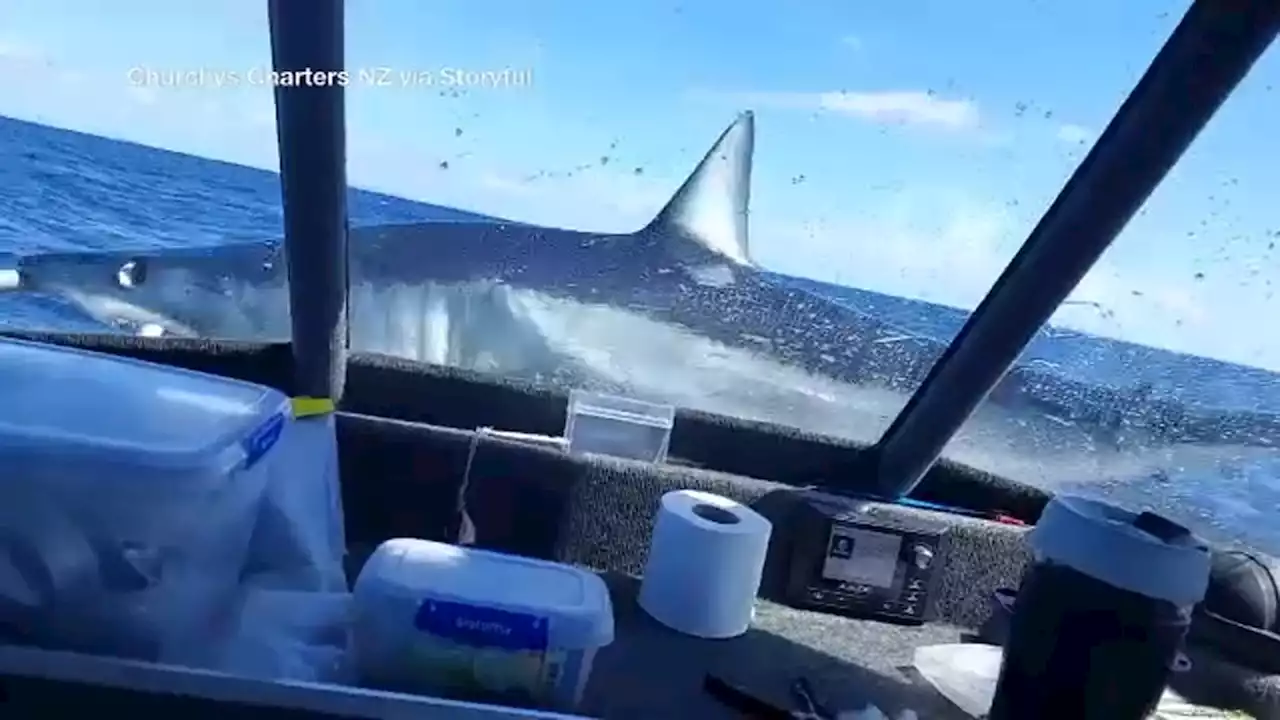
964, 673
299, 542
278, 635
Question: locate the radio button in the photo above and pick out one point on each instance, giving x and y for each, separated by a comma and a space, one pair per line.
922, 555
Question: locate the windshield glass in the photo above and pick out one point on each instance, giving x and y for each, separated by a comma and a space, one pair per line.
1155, 384
526, 209
88, 92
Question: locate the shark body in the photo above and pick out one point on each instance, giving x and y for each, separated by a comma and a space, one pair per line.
618, 311
465, 293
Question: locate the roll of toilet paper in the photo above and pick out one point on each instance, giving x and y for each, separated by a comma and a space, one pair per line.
705, 563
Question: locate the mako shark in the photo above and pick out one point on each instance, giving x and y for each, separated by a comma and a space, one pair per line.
676, 311
478, 294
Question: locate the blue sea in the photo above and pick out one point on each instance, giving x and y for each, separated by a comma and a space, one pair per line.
65, 191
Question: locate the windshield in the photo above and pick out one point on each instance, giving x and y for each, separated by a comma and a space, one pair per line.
526, 209
1155, 384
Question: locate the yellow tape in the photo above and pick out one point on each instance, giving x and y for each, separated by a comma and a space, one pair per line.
310, 406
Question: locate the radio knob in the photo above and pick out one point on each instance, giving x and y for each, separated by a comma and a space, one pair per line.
922, 555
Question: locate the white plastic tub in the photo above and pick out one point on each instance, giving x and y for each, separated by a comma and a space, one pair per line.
435, 618
129, 492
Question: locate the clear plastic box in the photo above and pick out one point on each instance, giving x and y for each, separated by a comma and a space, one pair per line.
618, 426
129, 492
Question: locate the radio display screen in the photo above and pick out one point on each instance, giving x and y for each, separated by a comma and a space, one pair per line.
864, 557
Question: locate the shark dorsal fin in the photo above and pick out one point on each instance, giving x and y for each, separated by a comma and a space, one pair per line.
710, 208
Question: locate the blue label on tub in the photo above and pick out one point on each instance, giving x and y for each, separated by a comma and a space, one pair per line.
478, 626
261, 440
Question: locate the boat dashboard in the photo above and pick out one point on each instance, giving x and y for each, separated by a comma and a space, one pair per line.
596, 513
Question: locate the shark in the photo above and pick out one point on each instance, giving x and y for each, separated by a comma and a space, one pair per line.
478, 294
676, 311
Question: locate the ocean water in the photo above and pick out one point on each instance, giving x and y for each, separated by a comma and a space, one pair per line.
64, 191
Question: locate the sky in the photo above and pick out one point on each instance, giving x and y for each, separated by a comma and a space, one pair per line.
906, 149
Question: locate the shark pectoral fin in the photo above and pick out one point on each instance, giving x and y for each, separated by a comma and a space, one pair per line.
710, 208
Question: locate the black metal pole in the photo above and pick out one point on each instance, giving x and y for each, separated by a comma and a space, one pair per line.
1203, 61
307, 38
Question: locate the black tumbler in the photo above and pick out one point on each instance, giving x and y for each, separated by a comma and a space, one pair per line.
1101, 615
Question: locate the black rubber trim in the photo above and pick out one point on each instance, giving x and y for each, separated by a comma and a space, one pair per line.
1243, 645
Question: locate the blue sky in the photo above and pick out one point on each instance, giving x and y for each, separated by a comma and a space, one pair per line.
905, 149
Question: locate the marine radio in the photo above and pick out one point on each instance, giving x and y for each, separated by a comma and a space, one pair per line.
858, 558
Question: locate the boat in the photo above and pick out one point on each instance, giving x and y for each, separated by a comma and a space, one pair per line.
443, 453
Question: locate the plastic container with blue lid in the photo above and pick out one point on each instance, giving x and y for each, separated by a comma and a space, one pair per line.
433, 618
120, 409
134, 486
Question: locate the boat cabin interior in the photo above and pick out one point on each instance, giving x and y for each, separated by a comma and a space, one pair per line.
448, 455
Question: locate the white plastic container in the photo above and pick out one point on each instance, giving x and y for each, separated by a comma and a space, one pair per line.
433, 618
129, 492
